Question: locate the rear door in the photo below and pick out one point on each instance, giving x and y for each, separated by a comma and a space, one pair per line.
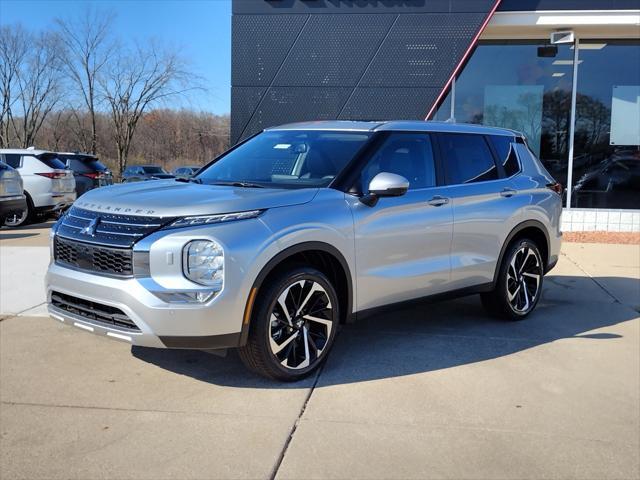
402, 243
484, 206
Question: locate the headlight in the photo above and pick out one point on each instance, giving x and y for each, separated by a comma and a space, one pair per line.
209, 219
203, 263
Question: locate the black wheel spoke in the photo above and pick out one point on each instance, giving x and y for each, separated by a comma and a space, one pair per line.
301, 324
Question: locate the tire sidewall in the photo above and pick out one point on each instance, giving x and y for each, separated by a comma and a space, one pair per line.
262, 320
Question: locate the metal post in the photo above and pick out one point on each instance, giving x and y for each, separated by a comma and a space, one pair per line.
452, 116
572, 119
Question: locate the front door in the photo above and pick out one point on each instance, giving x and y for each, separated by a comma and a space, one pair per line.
402, 243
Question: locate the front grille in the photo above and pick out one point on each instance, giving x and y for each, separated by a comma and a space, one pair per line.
93, 258
95, 312
110, 229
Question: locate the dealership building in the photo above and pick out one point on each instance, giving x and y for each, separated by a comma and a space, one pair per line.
566, 73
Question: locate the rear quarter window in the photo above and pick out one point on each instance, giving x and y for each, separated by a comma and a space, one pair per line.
506, 154
467, 158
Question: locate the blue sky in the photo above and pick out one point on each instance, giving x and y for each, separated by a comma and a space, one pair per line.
200, 29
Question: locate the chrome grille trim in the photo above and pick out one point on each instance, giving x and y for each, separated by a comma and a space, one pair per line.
112, 230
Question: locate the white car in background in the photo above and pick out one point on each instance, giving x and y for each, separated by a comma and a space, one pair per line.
48, 185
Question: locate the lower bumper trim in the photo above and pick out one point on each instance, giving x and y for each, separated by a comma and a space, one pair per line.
212, 342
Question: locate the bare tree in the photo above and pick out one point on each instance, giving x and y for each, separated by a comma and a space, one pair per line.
14, 42
134, 83
86, 53
39, 88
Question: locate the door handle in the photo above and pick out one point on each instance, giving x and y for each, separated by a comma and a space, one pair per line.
508, 192
438, 201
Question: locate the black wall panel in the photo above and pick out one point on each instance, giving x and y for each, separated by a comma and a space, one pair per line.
296, 60
260, 43
333, 50
388, 102
422, 50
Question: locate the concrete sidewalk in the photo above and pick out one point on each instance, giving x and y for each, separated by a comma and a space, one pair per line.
432, 391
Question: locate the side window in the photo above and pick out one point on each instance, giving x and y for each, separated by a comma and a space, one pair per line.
506, 154
406, 154
12, 159
467, 158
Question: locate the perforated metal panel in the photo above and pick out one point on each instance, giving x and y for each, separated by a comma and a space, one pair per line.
389, 103
333, 50
422, 50
260, 44
296, 104
322, 60
244, 101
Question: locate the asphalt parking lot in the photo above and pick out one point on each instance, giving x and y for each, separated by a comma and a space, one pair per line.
431, 391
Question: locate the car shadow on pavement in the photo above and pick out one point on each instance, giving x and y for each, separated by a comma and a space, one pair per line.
13, 236
428, 336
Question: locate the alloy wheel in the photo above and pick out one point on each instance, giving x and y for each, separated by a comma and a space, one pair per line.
301, 323
15, 220
523, 279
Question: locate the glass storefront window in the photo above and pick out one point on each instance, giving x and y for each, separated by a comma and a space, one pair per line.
606, 162
523, 85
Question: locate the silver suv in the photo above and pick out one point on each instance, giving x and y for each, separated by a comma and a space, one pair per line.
304, 227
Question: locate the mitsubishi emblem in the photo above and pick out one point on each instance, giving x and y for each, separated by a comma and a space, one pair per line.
91, 228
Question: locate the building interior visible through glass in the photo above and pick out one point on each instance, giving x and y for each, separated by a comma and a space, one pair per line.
527, 86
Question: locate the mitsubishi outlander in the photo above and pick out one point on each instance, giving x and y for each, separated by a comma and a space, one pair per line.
304, 227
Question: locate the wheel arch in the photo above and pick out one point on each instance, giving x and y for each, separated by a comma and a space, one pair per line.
533, 229
321, 255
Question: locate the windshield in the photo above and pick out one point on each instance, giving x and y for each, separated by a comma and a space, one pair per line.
153, 170
287, 159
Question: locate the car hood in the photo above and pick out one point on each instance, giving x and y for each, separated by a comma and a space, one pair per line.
173, 199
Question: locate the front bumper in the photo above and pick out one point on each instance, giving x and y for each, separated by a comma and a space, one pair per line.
164, 319
160, 324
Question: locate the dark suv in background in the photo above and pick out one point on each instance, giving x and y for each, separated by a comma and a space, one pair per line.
141, 173
88, 171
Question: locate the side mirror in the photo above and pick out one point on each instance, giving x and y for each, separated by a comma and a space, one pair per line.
385, 184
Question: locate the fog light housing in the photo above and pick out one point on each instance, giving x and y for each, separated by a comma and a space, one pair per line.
203, 263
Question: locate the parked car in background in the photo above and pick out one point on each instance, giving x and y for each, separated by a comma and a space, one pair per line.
141, 173
304, 227
88, 171
49, 186
185, 172
12, 199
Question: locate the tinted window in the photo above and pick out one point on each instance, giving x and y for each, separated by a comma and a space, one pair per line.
51, 161
506, 155
287, 158
152, 170
83, 164
12, 159
467, 158
406, 154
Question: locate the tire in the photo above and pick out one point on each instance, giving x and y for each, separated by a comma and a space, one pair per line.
519, 284
277, 340
14, 221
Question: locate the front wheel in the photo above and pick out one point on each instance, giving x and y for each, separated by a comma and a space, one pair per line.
293, 326
519, 282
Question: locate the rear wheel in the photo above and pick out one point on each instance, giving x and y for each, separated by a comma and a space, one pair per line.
23, 218
519, 282
293, 326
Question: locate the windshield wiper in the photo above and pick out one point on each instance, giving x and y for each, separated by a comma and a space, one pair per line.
188, 180
240, 184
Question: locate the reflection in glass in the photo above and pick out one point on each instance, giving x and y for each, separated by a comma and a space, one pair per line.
523, 85
606, 166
